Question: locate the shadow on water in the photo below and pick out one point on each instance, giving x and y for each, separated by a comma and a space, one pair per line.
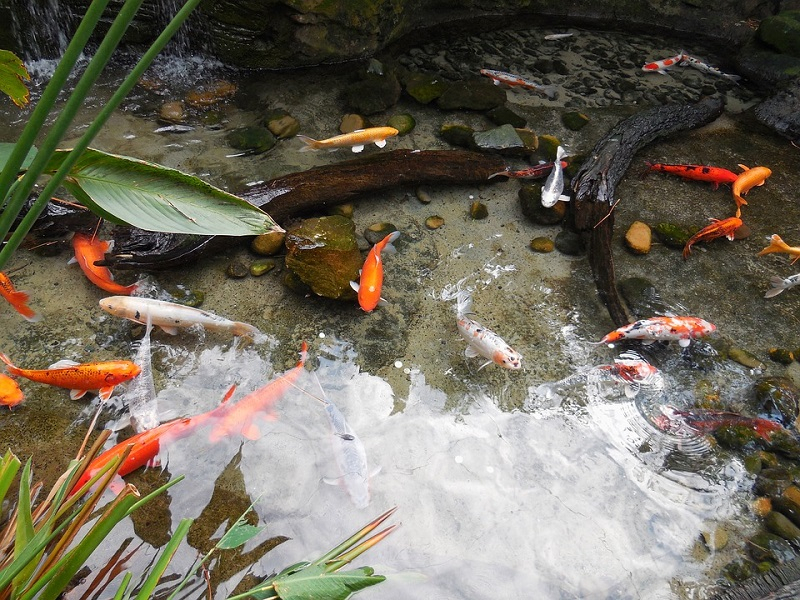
550, 482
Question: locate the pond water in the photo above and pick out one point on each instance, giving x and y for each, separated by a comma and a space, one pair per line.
547, 482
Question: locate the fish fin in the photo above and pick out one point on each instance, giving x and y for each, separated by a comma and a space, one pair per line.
773, 292
355, 285
375, 471
470, 352
506, 173
331, 480
662, 71
486, 364
380, 143
743, 167
310, 143
169, 329
19, 300
63, 364
154, 462
383, 301
684, 342
389, 247
76, 394
357, 148
251, 431
228, 394
245, 329
564, 198
105, 392
72, 261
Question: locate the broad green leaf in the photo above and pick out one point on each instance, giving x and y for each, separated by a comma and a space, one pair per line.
314, 582
5, 151
237, 535
157, 198
13, 74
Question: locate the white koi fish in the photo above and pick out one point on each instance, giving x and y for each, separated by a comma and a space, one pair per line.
169, 316
557, 36
356, 140
511, 80
140, 394
706, 68
554, 186
661, 66
682, 329
779, 284
482, 341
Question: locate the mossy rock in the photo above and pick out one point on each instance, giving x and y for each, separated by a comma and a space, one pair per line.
478, 211
769, 546
253, 140
782, 32
404, 123
570, 243
424, 87
471, 95
548, 146
503, 115
458, 135
268, 244
530, 198
503, 139
543, 245
376, 93
281, 124
672, 235
778, 398
574, 120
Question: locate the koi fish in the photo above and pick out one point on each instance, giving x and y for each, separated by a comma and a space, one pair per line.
661, 66
708, 421
533, 172
89, 249
169, 315
747, 180
706, 68
779, 284
18, 300
141, 393
557, 36
10, 394
633, 372
715, 175
482, 341
356, 140
511, 80
79, 378
717, 228
239, 417
370, 282
682, 329
554, 186
776, 244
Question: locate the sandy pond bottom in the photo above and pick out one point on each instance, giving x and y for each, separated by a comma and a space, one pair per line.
549, 482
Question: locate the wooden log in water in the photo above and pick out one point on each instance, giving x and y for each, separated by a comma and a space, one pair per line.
303, 192
595, 184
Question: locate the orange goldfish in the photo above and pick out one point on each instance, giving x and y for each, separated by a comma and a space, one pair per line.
17, 299
776, 244
238, 417
80, 378
10, 394
682, 329
747, 180
89, 249
718, 228
356, 140
371, 280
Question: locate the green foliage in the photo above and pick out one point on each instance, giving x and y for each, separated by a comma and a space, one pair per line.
13, 76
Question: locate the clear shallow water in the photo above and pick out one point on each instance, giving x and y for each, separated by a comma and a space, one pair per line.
508, 484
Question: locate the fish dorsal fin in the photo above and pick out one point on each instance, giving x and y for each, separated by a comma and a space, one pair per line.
64, 363
358, 148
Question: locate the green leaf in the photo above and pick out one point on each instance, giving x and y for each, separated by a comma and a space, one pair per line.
237, 535
314, 582
5, 151
9, 467
157, 198
13, 74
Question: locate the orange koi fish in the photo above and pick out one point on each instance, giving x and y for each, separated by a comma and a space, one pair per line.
356, 140
89, 249
17, 299
682, 329
718, 228
239, 417
369, 284
79, 378
661, 66
747, 180
511, 80
708, 421
776, 244
715, 175
10, 394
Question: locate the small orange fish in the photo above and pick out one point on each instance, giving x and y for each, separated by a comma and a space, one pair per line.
238, 417
10, 394
747, 180
356, 140
80, 378
89, 249
776, 244
370, 283
17, 299
725, 227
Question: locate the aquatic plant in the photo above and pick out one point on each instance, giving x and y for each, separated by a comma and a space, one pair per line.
13, 76
90, 176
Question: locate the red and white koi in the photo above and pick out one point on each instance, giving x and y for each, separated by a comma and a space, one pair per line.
698, 64
534, 172
661, 66
779, 284
552, 191
682, 329
511, 80
482, 341
633, 371
709, 421
356, 140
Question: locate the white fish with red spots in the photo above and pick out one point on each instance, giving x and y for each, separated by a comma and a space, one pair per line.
482, 341
661, 66
680, 329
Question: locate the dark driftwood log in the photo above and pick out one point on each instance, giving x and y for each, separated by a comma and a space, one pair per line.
312, 190
595, 184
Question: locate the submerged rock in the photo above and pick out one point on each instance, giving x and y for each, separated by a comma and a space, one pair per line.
253, 140
377, 231
472, 95
502, 115
404, 123
424, 87
530, 198
478, 210
376, 93
574, 120
638, 238
782, 32
500, 139
281, 124
268, 244
323, 253
778, 398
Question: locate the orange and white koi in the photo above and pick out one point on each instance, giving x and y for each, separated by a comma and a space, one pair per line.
17, 299
482, 341
779, 284
661, 66
239, 417
747, 180
682, 329
89, 249
511, 80
169, 316
709, 421
698, 64
370, 281
776, 244
356, 140
633, 371
718, 228
534, 172
715, 175
10, 394
79, 378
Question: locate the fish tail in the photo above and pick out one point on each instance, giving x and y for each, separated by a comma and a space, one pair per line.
310, 143
776, 244
551, 91
778, 286
13, 369
19, 300
463, 303
389, 246
506, 173
245, 329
